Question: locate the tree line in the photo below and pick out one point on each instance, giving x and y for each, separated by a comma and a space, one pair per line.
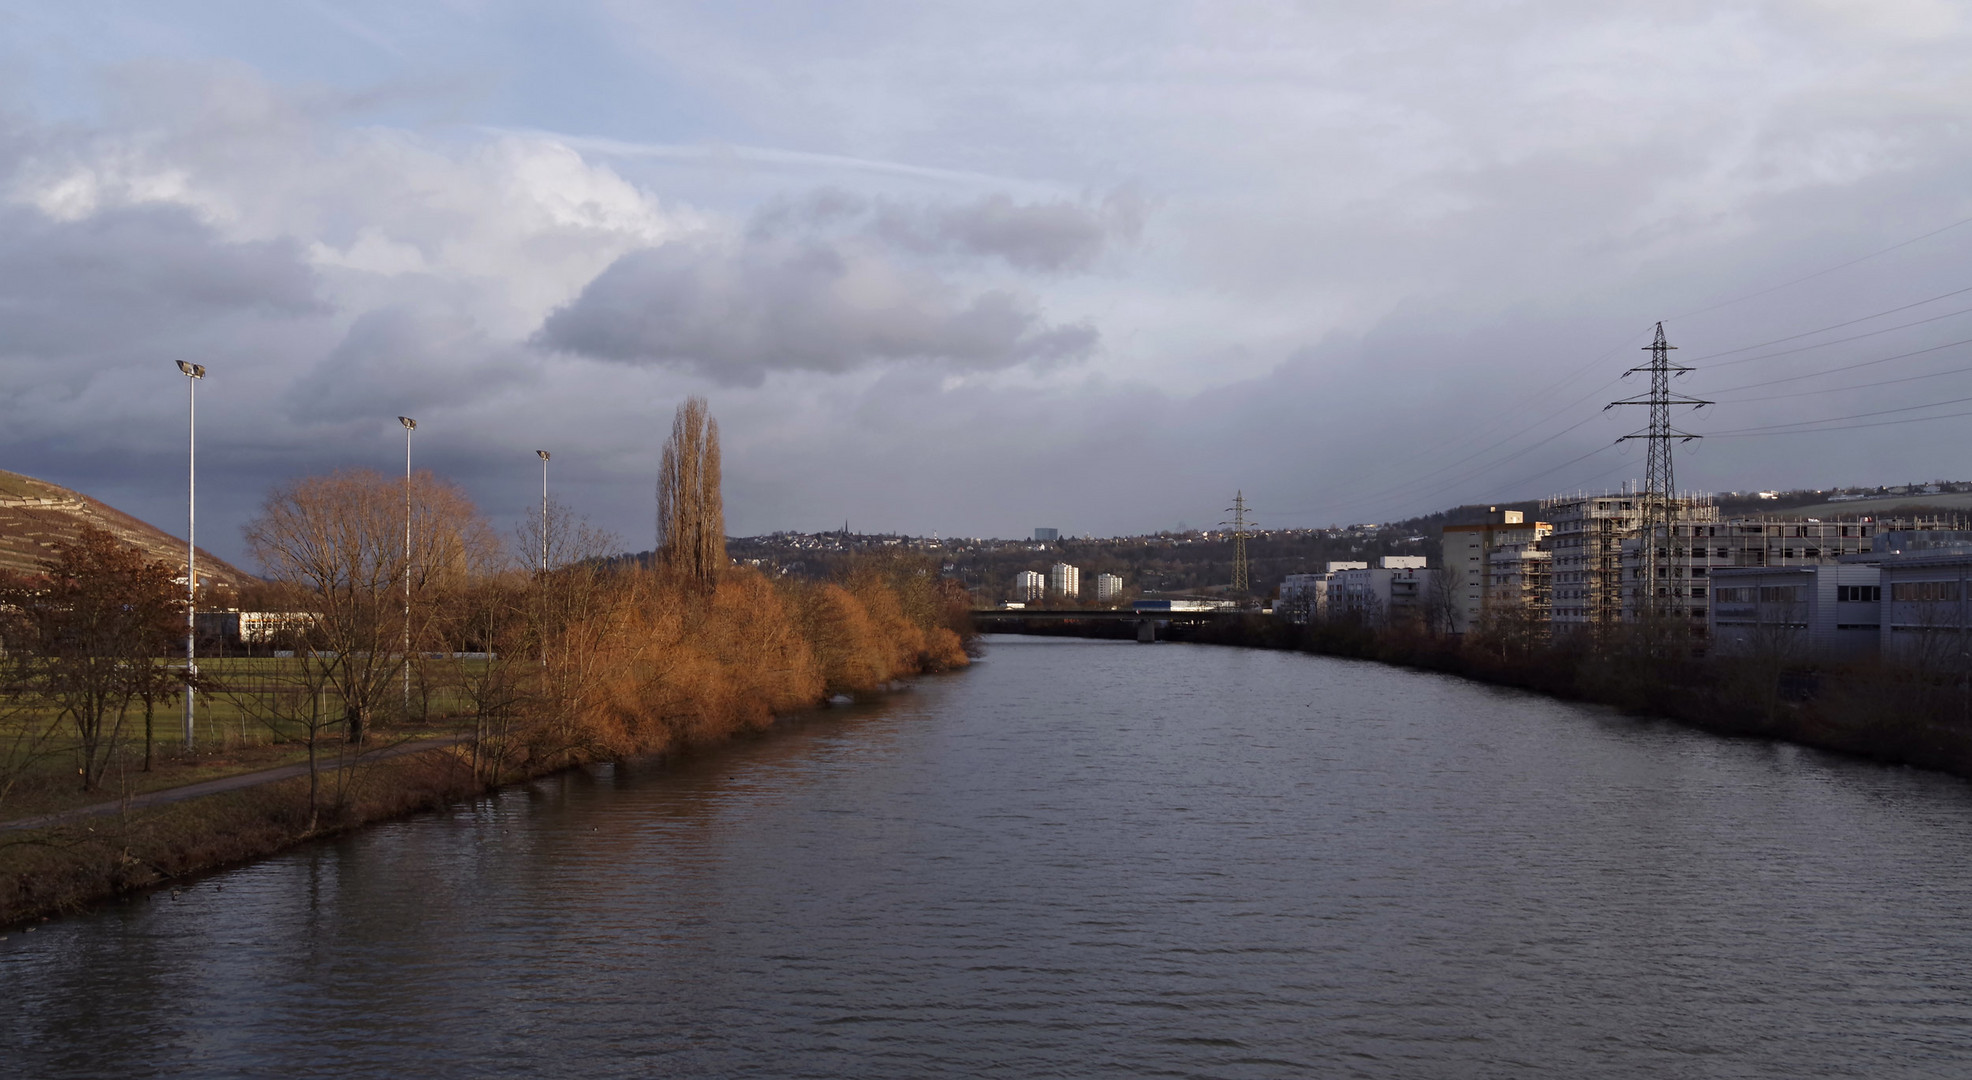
538, 663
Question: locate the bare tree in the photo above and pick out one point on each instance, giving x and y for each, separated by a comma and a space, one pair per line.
339, 539
93, 631
1442, 609
691, 517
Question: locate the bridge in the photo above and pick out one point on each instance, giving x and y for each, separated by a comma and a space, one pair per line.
1146, 621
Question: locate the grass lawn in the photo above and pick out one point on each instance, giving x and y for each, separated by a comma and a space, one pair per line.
234, 728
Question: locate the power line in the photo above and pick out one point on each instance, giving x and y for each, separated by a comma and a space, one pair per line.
1755, 434
1840, 341
1852, 386
1833, 326
1822, 273
1844, 367
1852, 416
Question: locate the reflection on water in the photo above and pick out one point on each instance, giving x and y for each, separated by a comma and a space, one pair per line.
1080, 858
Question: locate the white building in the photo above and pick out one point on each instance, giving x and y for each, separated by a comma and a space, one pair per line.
1065, 580
1108, 587
1826, 611
1302, 597
1391, 591
1029, 585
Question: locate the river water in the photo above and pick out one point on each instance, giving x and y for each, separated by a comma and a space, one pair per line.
1079, 859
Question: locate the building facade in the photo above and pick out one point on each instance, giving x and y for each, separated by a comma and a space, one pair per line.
1029, 585
1065, 580
1827, 611
1392, 591
1588, 583
1927, 609
1469, 551
1108, 587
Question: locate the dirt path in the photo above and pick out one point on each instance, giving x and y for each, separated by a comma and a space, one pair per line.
223, 784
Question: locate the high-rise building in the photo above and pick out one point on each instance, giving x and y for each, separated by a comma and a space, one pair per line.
1587, 579
1065, 580
1108, 587
1046, 536
1470, 551
1029, 585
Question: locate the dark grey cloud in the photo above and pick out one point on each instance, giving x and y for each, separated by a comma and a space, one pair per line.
407, 356
127, 276
735, 310
1047, 237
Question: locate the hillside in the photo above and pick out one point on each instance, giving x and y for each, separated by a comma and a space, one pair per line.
35, 515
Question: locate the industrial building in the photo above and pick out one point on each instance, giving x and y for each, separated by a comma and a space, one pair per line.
1926, 621
1827, 611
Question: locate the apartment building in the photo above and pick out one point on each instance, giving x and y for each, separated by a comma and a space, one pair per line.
1029, 585
1587, 581
1065, 580
1108, 587
1698, 551
1391, 591
1469, 553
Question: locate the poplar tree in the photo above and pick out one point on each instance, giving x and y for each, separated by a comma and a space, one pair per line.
691, 517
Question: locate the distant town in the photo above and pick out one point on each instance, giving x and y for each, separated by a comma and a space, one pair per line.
1852, 573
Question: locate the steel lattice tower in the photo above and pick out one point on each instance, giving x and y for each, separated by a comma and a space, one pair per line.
1240, 578
1660, 491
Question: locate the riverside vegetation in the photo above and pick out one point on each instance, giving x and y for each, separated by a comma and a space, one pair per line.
1918, 712
521, 665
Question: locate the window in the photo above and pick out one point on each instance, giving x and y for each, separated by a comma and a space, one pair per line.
1924, 592
1813, 553
1782, 594
1736, 594
1858, 594
1698, 593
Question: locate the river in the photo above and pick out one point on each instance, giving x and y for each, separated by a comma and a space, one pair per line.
1079, 859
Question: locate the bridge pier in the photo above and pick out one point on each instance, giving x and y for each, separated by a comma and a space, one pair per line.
1146, 631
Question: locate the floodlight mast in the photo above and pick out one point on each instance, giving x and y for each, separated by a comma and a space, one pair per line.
193, 373
544, 509
410, 425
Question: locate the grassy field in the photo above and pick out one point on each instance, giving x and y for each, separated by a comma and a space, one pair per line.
236, 731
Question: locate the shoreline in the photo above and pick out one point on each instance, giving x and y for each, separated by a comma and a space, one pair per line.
95, 859
1871, 712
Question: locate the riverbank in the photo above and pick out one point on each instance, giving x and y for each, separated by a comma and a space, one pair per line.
1896, 716
677, 669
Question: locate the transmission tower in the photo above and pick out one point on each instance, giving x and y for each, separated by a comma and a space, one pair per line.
1241, 582
1660, 490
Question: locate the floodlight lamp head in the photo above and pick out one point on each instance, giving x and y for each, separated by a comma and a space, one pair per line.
196, 371
543, 453
409, 424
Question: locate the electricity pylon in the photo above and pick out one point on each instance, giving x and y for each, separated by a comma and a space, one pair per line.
1239, 525
1660, 490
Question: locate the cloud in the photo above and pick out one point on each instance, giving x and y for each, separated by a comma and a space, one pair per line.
734, 309
1050, 237
73, 290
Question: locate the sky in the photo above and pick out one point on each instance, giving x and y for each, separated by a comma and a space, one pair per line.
969, 270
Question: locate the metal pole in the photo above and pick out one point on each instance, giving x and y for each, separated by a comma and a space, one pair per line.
193, 373
544, 510
410, 425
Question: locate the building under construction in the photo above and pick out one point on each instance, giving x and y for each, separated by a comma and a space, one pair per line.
1587, 578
